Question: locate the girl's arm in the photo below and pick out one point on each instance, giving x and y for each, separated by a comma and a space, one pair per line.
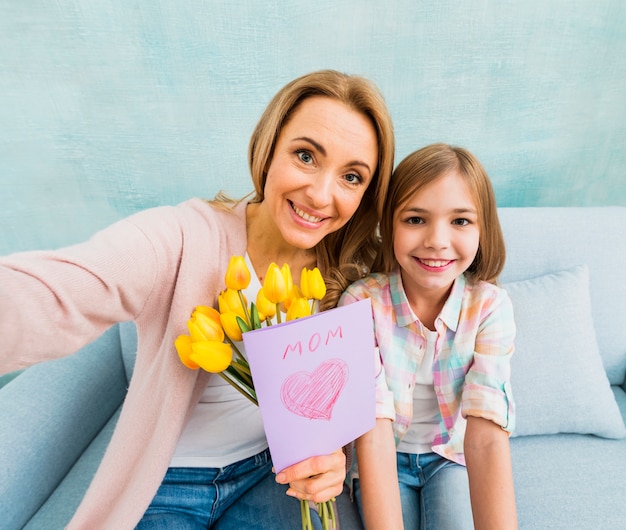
378, 475
488, 459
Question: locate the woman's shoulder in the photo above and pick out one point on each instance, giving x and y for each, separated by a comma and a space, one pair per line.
222, 212
194, 213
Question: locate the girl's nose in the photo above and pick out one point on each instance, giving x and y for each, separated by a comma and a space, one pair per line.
437, 237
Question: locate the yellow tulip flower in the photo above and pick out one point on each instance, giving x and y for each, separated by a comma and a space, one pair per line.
211, 355
274, 286
231, 327
294, 294
183, 347
237, 275
213, 314
299, 308
304, 282
264, 306
202, 328
316, 285
286, 272
229, 301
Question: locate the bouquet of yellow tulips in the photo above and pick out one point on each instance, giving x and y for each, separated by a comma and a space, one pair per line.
211, 343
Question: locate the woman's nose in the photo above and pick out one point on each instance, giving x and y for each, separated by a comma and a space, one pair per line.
320, 191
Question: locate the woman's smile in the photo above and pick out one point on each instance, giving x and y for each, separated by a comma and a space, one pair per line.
308, 217
324, 159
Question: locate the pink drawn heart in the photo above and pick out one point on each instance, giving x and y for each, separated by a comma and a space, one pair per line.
313, 395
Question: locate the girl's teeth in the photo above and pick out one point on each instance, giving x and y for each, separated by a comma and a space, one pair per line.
306, 216
434, 263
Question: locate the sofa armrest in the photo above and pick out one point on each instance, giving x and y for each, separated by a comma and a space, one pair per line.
49, 415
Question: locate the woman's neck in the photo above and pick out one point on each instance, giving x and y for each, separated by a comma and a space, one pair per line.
266, 245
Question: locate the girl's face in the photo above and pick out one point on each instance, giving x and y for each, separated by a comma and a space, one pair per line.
324, 159
436, 236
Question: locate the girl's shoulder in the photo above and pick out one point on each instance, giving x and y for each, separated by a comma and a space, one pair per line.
485, 293
374, 286
373, 282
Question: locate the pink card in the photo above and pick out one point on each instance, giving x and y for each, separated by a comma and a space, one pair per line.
315, 381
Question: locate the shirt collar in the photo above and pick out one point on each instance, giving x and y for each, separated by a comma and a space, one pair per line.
450, 313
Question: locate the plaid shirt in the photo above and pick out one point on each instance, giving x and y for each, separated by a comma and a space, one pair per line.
471, 368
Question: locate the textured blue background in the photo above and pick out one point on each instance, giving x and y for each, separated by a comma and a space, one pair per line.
108, 107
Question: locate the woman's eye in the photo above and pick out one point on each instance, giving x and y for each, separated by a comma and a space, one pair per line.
305, 156
353, 178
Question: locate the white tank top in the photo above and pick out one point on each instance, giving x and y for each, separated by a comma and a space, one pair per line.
425, 423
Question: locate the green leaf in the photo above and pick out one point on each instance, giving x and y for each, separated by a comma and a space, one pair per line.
256, 321
243, 325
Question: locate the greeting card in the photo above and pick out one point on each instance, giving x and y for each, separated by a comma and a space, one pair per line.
315, 382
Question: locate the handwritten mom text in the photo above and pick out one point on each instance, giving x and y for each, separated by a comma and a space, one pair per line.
316, 340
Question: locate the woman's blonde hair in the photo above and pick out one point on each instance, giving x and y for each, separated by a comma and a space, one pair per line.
426, 165
348, 253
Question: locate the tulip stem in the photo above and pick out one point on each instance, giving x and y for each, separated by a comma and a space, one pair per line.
241, 386
236, 350
242, 373
326, 512
245, 308
307, 524
278, 318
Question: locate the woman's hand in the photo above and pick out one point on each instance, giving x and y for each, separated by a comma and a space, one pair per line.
317, 479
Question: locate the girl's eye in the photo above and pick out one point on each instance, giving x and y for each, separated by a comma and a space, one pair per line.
461, 222
353, 178
305, 156
414, 220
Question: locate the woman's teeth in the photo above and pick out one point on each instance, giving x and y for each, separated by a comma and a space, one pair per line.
306, 216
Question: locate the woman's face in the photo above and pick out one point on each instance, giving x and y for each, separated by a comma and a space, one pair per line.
324, 160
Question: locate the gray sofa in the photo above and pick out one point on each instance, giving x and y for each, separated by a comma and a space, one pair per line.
564, 272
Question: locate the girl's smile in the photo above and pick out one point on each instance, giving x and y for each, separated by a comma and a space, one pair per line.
435, 265
436, 237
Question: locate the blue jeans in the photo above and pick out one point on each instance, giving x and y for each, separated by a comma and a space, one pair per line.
242, 495
434, 493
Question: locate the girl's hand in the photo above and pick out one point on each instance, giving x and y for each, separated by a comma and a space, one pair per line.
317, 479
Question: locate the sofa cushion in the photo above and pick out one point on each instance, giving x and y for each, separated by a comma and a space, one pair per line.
570, 481
547, 240
59, 508
559, 383
50, 414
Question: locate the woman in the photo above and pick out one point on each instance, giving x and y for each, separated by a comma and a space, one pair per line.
320, 159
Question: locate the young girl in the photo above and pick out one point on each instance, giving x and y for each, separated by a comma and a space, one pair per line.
445, 334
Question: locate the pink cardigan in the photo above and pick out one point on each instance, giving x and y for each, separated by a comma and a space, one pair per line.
153, 268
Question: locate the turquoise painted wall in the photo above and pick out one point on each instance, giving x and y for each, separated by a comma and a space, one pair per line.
112, 106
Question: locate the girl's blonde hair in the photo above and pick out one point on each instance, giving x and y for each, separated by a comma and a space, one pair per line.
426, 165
348, 253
